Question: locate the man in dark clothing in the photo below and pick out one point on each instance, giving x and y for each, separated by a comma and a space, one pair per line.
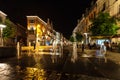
83, 47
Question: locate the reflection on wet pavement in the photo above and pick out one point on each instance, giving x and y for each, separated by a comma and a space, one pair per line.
5, 71
40, 66
54, 67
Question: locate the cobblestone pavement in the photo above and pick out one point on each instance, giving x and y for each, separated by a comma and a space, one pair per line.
113, 56
10, 70
82, 77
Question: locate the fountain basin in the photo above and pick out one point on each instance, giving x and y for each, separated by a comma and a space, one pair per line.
6, 52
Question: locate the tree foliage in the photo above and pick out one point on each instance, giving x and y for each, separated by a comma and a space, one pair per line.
104, 25
72, 39
78, 37
9, 31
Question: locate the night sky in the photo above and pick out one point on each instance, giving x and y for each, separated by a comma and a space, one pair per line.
63, 13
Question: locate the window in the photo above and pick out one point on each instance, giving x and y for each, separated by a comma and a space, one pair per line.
31, 21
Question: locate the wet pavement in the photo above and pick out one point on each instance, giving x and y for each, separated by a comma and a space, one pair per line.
45, 66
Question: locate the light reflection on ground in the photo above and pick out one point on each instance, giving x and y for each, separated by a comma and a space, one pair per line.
31, 67
35, 74
86, 55
5, 71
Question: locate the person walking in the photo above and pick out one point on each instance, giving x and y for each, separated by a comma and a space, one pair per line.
83, 46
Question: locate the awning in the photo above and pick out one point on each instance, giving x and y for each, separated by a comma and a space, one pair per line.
100, 37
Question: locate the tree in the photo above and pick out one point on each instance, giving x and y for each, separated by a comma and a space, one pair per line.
72, 39
9, 31
104, 25
78, 37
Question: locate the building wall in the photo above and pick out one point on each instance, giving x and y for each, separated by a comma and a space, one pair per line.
110, 6
42, 31
21, 34
3, 16
35, 28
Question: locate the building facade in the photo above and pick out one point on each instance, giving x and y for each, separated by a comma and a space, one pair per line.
110, 6
2, 20
21, 35
2, 16
40, 32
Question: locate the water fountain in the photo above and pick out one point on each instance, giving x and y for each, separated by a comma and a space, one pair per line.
74, 54
18, 50
29, 51
53, 57
61, 47
37, 48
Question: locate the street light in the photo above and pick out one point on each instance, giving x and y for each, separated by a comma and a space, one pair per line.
86, 38
1, 29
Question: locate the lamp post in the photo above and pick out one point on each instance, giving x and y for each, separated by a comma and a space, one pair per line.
1, 29
86, 38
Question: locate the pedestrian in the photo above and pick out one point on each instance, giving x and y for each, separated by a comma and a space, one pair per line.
34, 44
83, 47
89, 45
